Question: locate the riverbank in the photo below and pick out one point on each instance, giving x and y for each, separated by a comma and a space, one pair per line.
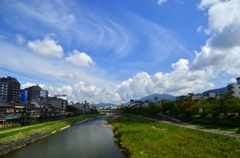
16, 138
145, 138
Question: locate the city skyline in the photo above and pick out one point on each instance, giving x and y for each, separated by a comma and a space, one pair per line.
105, 51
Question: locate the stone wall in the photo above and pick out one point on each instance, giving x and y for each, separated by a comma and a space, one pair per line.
8, 147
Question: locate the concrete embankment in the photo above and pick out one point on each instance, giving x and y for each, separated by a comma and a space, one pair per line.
11, 146
8, 147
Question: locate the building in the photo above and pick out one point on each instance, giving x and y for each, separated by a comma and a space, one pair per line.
197, 97
33, 91
3, 92
94, 106
13, 88
23, 95
61, 96
58, 103
234, 88
44, 93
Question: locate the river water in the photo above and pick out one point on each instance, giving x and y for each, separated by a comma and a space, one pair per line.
84, 140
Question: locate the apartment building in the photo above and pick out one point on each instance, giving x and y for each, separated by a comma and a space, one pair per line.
13, 88
33, 91
3, 92
234, 88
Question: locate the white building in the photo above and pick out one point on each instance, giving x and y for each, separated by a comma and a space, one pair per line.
234, 88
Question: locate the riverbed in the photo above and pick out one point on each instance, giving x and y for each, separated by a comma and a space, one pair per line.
87, 139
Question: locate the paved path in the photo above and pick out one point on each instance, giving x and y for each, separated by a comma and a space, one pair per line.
179, 123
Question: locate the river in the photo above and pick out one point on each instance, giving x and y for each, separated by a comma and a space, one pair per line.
84, 140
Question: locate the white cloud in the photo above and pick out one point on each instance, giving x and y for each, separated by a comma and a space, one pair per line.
233, 80
80, 59
223, 15
20, 39
199, 29
222, 49
207, 3
181, 80
161, 1
67, 90
28, 84
69, 75
46, 47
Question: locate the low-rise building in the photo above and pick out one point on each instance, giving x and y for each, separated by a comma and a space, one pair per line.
234, 88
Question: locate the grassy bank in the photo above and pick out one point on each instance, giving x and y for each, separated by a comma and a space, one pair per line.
150, 139
21, 133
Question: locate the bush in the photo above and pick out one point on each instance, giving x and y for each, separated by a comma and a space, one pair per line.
228, 123
208, 116
233, 124
197, 121
206, 122
204, 114
202, 122
222, 123
196, 115
215, 114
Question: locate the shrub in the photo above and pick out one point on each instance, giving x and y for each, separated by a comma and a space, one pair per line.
215, 114
228, 123
208, 116
206, 122
196, 116
197, 121
233, 124
222, 123
204, 114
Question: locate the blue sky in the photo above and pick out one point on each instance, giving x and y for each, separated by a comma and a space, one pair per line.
113, 51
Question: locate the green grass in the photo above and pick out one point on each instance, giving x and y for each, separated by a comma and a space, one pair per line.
9, 136
150, 139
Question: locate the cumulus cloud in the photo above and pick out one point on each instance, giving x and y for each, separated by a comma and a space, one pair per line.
46, 47
67, 90
161, 1
28, 84
80, 59
181, 80
222, 48
233, 80
20, 39
207, 3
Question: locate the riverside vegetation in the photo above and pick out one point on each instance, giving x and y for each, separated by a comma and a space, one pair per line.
151, 139
223, 113
18, 133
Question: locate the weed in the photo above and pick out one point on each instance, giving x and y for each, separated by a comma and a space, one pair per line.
144, 138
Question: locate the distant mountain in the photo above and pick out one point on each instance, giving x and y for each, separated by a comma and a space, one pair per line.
152, 96
216, 91
105, 104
